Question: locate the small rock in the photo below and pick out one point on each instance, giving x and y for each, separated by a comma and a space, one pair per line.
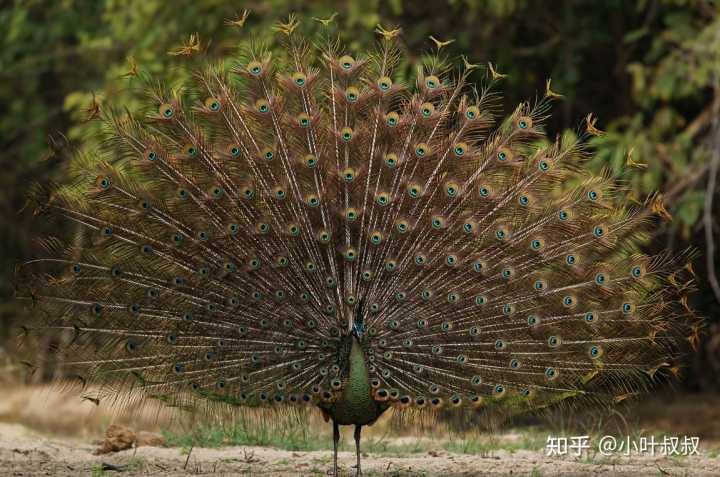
150, 439
117, 438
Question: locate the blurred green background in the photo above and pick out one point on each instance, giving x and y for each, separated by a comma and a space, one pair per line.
647, 69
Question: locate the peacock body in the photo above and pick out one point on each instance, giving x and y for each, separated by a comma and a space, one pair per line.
305, 228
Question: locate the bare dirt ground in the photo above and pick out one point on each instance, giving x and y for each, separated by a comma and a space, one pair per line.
28, 452
25, 453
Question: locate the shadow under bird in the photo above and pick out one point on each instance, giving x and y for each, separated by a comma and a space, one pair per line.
302, 227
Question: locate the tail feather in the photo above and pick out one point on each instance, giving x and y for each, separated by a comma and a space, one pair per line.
229, 238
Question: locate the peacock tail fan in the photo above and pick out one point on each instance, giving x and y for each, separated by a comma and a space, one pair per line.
228, 241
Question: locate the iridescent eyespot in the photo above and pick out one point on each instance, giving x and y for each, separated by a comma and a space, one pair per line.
564, 215
568, 301
384, 83
432, 82
593, 195
402, 226
451, 189
151, 156
376, 238
470, 227
303, 120
382, 198
514, 364
103, 183
280, 193
310, 161
524, 122
427, 110
451, 260
550, 373
391, 160
323, 236
570, 259
595, 352
544, 165
422, 150
480, 300
437, 222
346, 134
234, 151
553, 341
628, 308
312, 200
213, 104
261, 105
599, 231
539, 285
501, 233
637, 271
472, 112
589, 317
348, 174
507, 273
499, 344
536, 244
166, 110
503, 155
352, 94
255, 68
484, 191
459, 149
267, 154
299, 78
601, 278
413, 191
347, 62
533, 320
392, 119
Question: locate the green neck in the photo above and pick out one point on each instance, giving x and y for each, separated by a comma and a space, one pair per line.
355, 405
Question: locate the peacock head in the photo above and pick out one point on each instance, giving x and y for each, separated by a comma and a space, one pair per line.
358, 325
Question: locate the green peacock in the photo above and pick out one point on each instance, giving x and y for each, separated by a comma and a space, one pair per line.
304, 227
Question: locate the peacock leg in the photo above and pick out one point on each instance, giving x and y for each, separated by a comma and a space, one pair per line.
357, 449
336, 438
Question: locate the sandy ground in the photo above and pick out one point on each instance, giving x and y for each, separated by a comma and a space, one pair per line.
26, 453
35, 440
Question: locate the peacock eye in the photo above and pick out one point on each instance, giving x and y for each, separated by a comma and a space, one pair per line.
166, 110
347, 62
472, 112
255, 68
299, 79
213, 104
384, 83
432, 82
352, 94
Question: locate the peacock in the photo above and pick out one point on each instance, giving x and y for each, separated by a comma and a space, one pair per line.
304, 227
